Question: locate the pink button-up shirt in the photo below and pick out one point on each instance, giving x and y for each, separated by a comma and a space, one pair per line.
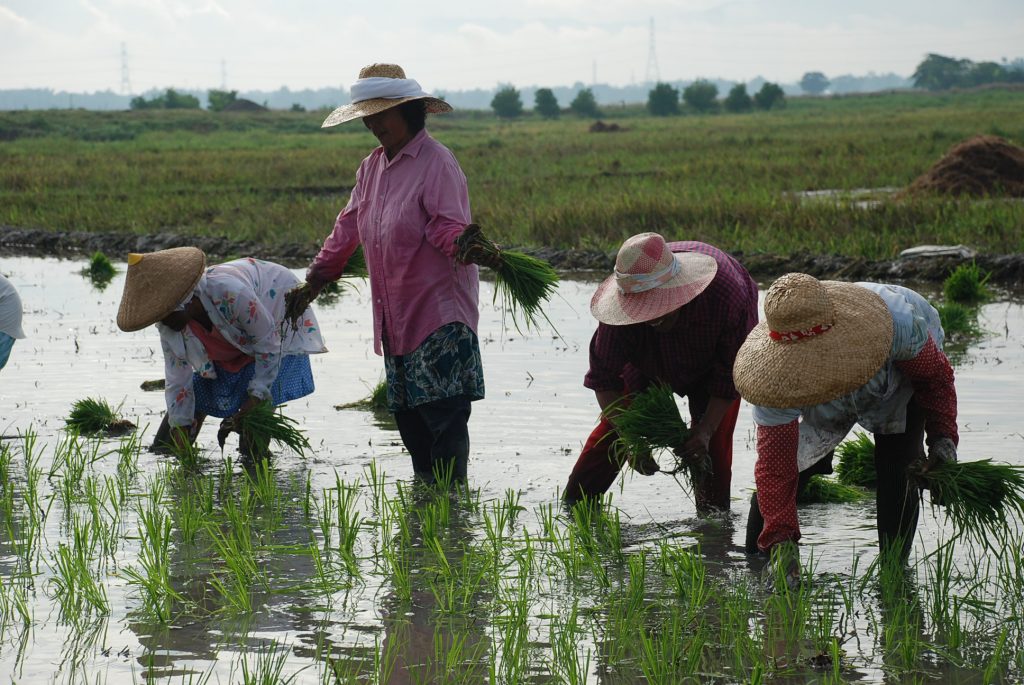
407, 213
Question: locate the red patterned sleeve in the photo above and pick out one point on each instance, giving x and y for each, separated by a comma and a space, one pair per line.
777, 475
932, 378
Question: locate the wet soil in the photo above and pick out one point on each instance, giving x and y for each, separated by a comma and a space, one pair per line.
1005, 270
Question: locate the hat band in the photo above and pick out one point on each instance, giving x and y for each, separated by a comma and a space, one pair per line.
374, 87
791, 336
638, 283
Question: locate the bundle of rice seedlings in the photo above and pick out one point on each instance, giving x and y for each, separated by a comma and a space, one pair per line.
958, 320
523, 283
980, 497
649, 421
376, 401
856, 464
90, 416
966, 285
100, 267
264, 423
296, 299
822, 490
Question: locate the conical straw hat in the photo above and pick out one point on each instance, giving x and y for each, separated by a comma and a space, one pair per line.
820, 340
156, 284
650, 281
372, 93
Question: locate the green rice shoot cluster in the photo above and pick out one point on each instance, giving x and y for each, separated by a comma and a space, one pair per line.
980, 497
856, 465
90, 415
822, 490
264, 423
649, 421
523, 283
966, 285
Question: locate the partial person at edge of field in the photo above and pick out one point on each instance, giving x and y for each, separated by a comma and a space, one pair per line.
676, 313
226, 343
10, 319
831, 355
408, 210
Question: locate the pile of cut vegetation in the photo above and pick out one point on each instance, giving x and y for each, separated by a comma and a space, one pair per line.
982, 165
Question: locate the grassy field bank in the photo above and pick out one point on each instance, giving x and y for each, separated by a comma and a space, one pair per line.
733, 180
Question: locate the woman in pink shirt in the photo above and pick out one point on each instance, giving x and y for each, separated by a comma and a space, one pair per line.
408, 209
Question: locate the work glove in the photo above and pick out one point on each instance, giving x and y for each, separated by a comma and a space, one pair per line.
941, 451
473, 247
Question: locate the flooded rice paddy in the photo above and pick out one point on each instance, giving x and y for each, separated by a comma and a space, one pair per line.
120, 565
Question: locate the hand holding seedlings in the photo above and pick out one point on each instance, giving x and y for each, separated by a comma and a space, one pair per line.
297, 301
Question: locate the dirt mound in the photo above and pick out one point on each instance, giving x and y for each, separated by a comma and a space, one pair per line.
601, 127
982, 165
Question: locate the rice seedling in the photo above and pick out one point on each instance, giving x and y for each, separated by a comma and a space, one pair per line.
856, 465
268, 666
959, 321
966, 285
376, 401
822, 490
522, 283
153, 575
266, 423
981, 498
76, 587
90, 416
100, 270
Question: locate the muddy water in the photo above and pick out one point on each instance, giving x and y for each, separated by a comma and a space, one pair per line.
526, 436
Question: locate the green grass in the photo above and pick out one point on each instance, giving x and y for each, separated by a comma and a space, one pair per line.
732, 180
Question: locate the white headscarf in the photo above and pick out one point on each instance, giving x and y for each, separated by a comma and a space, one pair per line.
10, 310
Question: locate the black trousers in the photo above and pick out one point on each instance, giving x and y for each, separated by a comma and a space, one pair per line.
897, 497
436, 434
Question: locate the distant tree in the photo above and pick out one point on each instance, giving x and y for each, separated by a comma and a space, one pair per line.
585, 104
139, 102
738, 101
938, 72
506, 103
769, 97
545, 103
986, 72
175, 100
296, 107
217, 100
701, 95
814, 83
663, 100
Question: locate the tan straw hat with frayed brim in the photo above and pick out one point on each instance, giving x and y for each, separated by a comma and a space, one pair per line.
650, 281
156, 284
381, 87
820, 341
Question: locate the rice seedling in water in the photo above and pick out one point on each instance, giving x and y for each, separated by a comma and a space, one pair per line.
958, 321
966, 285
264, 423
268, 666
822, 490
100, 270
522, 283
89, 416
856, 465
376, 401
981, 498
153, 575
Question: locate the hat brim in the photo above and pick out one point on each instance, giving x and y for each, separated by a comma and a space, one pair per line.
153, 292
358, 110
818, 369
611, 306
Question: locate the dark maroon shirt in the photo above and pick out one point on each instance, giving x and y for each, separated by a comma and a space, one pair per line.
698, 353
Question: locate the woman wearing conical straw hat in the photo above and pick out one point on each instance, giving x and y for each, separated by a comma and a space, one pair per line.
831, 355
10, 319
408, 209
673, 313
226, 344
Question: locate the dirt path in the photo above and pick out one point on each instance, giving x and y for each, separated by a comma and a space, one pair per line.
1006, 270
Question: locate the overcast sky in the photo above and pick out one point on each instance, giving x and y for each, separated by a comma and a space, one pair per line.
76, 45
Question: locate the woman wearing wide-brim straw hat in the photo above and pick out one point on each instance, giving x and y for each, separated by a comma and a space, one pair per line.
226, 343
408, 209
675, 313
831, 355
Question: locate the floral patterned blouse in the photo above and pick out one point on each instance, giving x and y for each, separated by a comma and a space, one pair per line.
245, 301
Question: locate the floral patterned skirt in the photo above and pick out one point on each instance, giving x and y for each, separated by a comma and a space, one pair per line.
222, 396
446, 364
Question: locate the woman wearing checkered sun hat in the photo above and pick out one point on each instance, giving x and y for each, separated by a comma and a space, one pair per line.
674, 313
